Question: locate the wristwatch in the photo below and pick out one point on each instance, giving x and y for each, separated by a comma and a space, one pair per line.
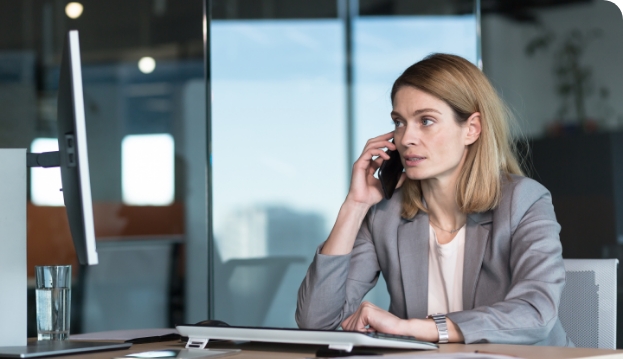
442, 327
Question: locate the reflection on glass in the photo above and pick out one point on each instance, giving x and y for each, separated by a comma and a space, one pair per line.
45, 183
147, 170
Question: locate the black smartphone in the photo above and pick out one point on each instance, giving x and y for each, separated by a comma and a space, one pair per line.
390, 172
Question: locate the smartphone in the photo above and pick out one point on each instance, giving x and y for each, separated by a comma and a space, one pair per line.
390, 172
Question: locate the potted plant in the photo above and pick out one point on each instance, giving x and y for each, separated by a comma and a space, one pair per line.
574, 82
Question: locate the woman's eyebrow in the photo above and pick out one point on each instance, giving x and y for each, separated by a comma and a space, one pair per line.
417, 112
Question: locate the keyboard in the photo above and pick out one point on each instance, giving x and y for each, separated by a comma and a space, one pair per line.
384, 336
198, 336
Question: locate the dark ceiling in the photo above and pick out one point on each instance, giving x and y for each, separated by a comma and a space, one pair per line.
118, 29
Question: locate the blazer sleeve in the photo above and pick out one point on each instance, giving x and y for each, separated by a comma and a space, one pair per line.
335, 285
530, 309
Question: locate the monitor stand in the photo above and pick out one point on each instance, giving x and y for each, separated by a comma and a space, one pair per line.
39, 349
13, 270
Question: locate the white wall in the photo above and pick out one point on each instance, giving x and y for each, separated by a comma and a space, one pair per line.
527, 83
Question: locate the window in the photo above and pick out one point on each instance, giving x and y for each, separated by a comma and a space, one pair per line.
45, 183
147, 170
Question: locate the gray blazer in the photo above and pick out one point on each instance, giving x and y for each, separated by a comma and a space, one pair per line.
513, 272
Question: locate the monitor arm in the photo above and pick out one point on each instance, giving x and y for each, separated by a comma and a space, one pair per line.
45, 159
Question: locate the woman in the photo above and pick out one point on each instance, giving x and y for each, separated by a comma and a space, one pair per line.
464, 238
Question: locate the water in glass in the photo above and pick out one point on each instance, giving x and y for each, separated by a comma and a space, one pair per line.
53, 313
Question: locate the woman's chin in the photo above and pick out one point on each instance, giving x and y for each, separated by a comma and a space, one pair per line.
415, 175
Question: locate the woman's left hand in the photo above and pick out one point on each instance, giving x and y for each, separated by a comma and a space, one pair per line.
370, 318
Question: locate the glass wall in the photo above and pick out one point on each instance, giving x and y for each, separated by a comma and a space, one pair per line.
143, 66
289, 115
279, 167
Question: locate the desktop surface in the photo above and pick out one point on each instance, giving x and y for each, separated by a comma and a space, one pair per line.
292, 351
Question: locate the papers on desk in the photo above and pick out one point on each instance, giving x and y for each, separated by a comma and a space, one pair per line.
133, 335
440, 356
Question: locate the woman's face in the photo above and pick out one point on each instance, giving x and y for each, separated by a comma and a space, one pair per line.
431, 143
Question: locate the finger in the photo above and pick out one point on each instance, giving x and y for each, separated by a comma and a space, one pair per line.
367, 164
376, 163
355, 321
371, 154
348, 322
353, 325
379, 144
359, 319
384, 137
372, 169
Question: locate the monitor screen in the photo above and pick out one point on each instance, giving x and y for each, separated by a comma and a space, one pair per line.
74, 159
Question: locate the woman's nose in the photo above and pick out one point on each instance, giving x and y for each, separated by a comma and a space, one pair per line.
410, 136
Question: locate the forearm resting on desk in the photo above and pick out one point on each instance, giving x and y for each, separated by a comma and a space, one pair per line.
369, 317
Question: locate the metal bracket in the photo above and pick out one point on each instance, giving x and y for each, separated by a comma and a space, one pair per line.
197, 343
45, 159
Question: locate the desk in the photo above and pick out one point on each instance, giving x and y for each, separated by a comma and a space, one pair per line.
290, 351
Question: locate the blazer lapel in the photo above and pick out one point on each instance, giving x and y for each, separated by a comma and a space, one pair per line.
476, 237
413, 254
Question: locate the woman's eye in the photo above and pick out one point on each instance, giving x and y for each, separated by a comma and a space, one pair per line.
397, 123
427, 122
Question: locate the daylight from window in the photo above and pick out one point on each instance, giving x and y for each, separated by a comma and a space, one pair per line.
147, 170
45, 183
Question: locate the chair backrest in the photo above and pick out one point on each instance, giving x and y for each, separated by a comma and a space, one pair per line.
588, 306
129, 288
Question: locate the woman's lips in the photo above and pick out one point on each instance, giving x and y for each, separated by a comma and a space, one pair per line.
413, 160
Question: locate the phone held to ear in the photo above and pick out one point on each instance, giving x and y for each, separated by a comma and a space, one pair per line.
390, 172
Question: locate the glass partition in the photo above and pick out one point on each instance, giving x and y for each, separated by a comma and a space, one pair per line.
278, 159
286, 106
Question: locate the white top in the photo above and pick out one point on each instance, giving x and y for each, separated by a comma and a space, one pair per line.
445, 273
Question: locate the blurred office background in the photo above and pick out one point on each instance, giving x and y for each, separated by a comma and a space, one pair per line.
231, 183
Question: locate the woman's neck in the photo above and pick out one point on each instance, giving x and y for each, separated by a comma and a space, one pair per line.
443, 210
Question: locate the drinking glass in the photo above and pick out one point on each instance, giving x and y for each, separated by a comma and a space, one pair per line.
53, 293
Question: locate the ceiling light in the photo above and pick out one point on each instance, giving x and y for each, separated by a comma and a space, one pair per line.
74, 10
147, 65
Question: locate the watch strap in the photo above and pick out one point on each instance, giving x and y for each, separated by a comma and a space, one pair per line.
442, 327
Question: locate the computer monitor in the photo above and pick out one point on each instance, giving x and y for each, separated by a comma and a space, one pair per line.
72, 156
73, 160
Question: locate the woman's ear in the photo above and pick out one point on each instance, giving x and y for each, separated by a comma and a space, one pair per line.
473, 128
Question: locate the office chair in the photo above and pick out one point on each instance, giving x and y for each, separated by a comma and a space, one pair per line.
130, 287
588, 306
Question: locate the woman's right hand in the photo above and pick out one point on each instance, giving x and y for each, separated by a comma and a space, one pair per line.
365, 189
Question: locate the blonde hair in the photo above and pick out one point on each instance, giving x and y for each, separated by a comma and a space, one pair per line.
466, 90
